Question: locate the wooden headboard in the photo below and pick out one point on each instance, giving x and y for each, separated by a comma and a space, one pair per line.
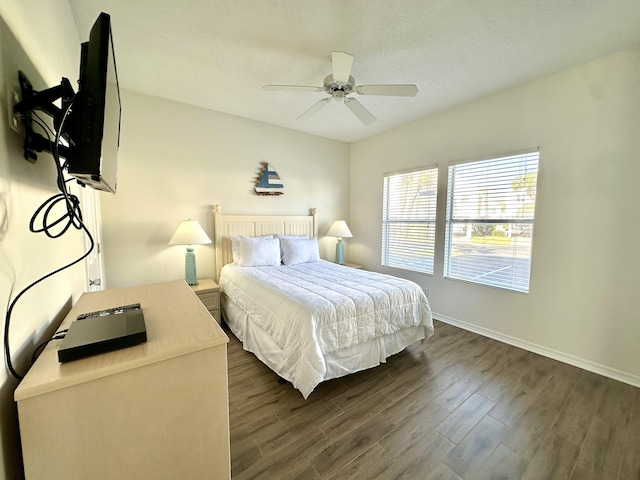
225, 226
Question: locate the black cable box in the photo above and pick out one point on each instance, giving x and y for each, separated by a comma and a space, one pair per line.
101, 334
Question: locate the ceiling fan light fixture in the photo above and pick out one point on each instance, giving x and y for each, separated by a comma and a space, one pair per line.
331, 86
339, 84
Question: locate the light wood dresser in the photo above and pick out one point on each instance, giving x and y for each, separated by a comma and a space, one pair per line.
156, 410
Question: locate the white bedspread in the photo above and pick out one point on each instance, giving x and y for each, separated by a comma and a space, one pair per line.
317, 310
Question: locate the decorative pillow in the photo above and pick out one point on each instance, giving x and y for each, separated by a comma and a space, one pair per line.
235, 245
299, 250
258, 251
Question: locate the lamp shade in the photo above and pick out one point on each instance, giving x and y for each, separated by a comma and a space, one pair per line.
189, 232
339, 229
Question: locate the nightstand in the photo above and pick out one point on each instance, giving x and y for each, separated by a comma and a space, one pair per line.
208, 292
352, 265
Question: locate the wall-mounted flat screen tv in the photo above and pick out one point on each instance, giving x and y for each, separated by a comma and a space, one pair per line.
94, 136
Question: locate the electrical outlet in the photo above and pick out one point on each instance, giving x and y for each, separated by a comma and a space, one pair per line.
13, 97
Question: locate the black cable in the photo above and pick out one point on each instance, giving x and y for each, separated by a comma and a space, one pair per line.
59, 335
39, 120
74, 216
25, 290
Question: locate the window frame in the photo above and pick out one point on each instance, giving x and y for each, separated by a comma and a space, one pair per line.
480, 221
400, 253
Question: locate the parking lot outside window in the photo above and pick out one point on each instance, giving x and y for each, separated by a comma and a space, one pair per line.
490, 220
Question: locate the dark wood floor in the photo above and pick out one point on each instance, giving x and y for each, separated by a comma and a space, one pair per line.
461, 406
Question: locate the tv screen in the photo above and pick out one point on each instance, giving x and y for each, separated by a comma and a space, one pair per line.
95, 123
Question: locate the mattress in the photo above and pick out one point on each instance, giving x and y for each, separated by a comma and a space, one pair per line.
318, 320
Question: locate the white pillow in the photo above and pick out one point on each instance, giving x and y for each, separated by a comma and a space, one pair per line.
299, 250
258, 251
291, 237
235, 245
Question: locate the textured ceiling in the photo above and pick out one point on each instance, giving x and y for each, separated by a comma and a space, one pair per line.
218, 54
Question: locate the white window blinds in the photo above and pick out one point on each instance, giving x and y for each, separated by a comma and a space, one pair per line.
490, 215
409, 220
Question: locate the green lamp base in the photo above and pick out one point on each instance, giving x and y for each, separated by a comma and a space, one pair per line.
190, 267
340, 252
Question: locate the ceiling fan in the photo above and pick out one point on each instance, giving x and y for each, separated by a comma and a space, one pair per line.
340, 84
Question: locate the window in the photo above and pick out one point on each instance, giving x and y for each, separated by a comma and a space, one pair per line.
409, 220
490, 213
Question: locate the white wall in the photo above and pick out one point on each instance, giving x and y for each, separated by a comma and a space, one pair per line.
584, 300
39, 38
177, 161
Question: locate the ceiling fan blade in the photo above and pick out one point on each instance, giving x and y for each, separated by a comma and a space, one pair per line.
342, 63
359, 111
314, 108
400, 90
301, 88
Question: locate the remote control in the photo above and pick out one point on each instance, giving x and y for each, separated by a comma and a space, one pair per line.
109, 311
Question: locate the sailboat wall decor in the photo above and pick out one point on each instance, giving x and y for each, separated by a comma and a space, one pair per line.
268, 181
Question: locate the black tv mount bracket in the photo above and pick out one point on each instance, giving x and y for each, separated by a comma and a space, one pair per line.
42, 100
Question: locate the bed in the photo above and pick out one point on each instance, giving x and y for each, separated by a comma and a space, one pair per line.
308, 319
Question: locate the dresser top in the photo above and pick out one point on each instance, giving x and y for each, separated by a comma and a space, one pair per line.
177, 324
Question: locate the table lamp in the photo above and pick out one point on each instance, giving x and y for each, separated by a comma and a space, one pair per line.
190, 233
339, 229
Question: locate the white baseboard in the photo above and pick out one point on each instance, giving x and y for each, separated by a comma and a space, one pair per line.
619, 375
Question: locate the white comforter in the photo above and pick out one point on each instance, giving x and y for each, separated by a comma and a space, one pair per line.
319, 310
